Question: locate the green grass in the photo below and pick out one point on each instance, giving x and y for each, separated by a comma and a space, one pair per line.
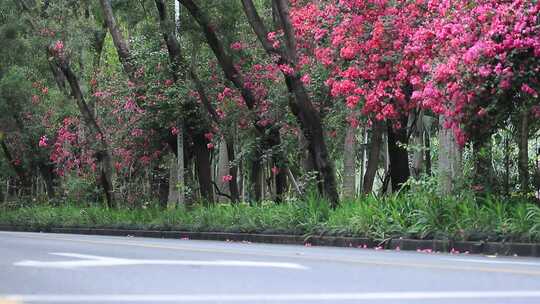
418, 216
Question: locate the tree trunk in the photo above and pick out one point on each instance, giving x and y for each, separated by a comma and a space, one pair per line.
482, 159
311, 125
98, 43
506, 164
223, 170
47, 173
120, 43
278, 174
256, 176
450, 169
427, 152
386, 185
417, 140
349, 164
180, 165
373, 157
307, 163
189, 177
280, 178
173, 182
399, 158
360, 177
524, 152
233, 170
204, 168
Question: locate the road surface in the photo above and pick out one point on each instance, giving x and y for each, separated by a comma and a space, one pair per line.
58, 268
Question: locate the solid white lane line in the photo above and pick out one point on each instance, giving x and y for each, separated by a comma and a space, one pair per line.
278, 297
481, 261
101, 261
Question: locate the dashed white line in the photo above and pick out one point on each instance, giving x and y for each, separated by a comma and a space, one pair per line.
279, 298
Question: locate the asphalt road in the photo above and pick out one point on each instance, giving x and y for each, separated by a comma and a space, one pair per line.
56, 268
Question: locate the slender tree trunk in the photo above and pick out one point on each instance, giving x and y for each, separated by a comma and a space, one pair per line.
233, 170
524, 151
241, 180
417, 139
482, 158
180, 165
280, 178
256, 176
360, 178
427, 152
506, 164
450, 167
399, 158
281, 184
386, 185
273, 141
98, 43
373, 157
349, 164
47, 173
3, 196
173, 182
189, 177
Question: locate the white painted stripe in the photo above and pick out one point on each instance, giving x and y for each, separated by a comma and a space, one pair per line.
495, 262
84, 256
278, 297
101, 261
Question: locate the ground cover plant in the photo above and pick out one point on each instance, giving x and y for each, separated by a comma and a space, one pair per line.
414, 217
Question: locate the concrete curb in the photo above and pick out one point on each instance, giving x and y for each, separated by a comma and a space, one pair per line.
480, 247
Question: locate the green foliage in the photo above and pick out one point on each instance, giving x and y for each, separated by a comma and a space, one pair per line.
418, 216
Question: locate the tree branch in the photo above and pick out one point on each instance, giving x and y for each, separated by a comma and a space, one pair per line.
231, 72
288, 29
258, 27
218, 192
118, 40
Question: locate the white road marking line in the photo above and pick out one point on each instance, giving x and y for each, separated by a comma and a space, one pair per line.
494, 262
101, 261
84, 256
278, 297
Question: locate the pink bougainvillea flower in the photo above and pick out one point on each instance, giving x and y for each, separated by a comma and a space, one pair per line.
209, 136
43, 141
237, 46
